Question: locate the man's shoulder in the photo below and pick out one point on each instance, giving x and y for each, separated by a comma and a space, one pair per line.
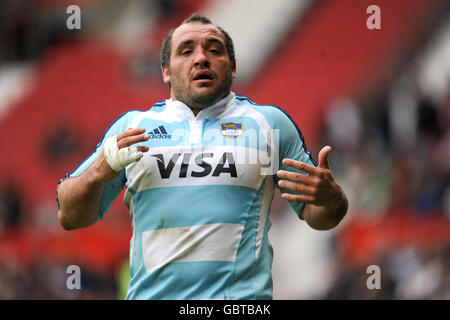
133, 112
275, 115
270, 111
244, 99
156, 107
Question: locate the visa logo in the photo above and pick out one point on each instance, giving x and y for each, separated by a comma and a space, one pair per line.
225, 165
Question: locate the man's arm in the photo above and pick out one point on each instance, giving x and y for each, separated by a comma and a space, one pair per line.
323, 218
79, 200
80, 197
325, 202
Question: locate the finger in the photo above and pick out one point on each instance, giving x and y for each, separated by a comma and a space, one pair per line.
128, 141
298, 198
323, 157
293, 176
302, 166
297, 187
130, 132
143, 148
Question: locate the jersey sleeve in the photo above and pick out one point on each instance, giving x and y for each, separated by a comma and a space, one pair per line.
111, 189
291, 145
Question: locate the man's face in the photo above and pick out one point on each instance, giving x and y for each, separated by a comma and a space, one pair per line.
200, 70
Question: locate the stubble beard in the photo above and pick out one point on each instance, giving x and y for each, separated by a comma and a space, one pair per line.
199, 101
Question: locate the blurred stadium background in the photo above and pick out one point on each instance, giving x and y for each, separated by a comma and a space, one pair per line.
379, 97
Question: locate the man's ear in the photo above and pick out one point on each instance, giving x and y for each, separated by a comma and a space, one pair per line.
233, 69
165, 74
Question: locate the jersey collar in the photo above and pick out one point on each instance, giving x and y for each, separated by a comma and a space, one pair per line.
207, 112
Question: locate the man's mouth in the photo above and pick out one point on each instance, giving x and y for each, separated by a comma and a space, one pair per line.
203, 76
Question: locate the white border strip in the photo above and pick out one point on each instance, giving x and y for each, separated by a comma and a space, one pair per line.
208, 242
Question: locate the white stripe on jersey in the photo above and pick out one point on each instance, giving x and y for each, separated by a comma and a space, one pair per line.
208, 242
269, 187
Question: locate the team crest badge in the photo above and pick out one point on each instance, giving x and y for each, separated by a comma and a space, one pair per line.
232, 130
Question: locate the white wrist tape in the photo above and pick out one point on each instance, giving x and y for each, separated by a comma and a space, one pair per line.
119, 159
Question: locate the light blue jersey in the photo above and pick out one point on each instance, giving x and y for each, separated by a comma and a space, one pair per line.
199, 199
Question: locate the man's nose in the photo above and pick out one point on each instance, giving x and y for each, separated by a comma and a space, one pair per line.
200, 59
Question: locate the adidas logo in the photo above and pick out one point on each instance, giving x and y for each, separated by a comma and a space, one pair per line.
159, 133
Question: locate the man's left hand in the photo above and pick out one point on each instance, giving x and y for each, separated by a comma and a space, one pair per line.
317, 186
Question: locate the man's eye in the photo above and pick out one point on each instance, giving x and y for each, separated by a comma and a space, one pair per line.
186, 52
215, 51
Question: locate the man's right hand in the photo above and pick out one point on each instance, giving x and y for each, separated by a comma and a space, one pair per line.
102, 171
80, 197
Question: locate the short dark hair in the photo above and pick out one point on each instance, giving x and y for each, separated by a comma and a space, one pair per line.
166, 43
